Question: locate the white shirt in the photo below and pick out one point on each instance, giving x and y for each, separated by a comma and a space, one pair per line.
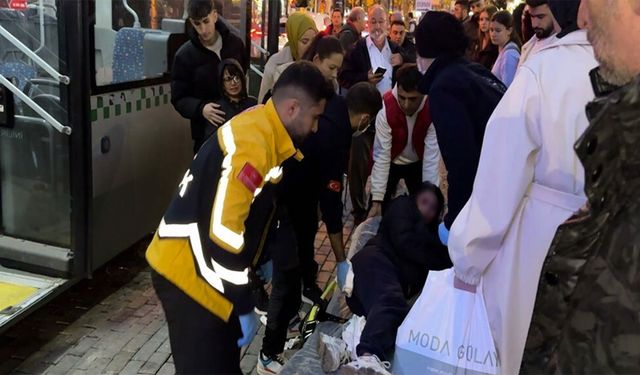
382, 153
381, 59
216, 46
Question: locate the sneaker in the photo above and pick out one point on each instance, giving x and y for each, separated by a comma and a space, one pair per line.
270, 365
313, 296
333, 352
366, 365
261, 300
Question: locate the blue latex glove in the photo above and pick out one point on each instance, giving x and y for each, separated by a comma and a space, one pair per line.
249, 325
266, 271
443, 233
343, 269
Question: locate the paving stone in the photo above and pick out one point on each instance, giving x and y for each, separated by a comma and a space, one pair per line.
167, 369
323, 277
150, 346
154, 363
119, 361
83, 345
98, 365
248, 363
136, 343
153, 327
132, 368
64, 365
165, 347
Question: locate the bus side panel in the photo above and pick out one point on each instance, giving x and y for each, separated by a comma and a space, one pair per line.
140, 149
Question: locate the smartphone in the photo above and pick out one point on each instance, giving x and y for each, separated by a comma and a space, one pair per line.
380, 71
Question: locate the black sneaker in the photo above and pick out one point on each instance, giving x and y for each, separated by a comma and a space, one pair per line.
313, 296
261, 300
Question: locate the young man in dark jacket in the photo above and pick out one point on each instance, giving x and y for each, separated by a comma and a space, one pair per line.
462, 97
194, 77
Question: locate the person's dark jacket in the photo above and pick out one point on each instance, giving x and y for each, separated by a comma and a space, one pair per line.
410, 51
462, 97
586, 317
317, 178
348, 36
472, 30
488, 56
357, 63
412, 245
194, 77
230, 107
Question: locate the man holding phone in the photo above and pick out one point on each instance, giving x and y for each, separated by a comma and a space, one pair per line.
373, 59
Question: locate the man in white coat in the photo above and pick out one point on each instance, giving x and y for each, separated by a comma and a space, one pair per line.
405, 145
529, 181
544, 25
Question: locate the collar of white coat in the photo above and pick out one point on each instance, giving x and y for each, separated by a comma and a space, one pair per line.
575, 38
394, 92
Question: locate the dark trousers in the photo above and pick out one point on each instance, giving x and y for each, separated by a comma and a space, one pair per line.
201, 343
359, 170
291, 247
410, 173
378, 296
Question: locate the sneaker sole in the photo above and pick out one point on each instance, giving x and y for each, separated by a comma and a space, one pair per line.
264, 371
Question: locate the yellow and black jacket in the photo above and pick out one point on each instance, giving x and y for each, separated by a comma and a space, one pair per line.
213, 229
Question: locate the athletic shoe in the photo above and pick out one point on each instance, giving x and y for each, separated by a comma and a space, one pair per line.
261, 300
366, 365
333, 352
313, 296
270, 365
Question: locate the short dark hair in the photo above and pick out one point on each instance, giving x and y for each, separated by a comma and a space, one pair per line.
363, 97
464, 3
408, 77
536, 3
305, 77
336, 10
324, 46
410, 14
397, 22
427, 187
199, 9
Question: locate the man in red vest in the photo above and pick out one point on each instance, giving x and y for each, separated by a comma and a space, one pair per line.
405, 145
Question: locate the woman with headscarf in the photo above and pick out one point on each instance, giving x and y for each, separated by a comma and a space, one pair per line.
301, 29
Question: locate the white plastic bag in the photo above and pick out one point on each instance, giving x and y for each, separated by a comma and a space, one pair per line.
351, 334
361, 235
446, 332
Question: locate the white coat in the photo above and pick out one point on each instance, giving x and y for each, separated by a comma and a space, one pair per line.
529, 181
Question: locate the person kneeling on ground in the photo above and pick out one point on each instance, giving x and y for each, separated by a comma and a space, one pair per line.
391, 269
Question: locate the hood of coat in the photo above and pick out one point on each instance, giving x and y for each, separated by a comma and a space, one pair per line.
566, 14
233, 63
574, 38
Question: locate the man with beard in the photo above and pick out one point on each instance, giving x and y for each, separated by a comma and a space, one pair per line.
586, 316
529, 181
544, 27
212, 231
362, 64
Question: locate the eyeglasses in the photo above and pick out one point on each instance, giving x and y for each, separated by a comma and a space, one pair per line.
231, 79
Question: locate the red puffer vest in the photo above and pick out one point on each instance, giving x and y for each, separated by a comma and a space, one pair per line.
397, 121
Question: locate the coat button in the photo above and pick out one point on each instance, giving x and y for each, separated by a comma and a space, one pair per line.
595, 175
551, 278
591, 145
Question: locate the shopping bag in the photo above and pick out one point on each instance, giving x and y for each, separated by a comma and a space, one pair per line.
446, 332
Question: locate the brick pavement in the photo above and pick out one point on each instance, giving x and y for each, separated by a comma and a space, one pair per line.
126, 332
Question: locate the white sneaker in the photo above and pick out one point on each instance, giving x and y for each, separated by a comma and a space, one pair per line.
333, 352
268, 365
366, 365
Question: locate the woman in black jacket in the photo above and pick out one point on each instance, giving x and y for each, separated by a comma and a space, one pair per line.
233, 87
393, 267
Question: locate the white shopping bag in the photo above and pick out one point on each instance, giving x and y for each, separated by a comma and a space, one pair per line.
446, 332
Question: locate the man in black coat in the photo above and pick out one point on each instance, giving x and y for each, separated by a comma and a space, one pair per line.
194, 77
462, 97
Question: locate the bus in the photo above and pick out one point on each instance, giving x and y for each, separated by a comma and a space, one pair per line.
91, 148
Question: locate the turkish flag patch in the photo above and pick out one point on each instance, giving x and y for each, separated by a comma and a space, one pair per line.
334, 186
250, 177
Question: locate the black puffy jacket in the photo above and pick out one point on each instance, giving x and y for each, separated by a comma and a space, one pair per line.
194, 78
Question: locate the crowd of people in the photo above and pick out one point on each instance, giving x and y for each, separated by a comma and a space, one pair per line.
497, 99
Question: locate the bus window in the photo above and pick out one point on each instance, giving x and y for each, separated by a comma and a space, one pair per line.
126, 51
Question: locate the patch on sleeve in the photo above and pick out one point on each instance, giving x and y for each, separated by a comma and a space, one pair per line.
335, 186
250, 177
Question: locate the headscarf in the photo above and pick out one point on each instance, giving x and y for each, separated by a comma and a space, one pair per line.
298, 24
566, 14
